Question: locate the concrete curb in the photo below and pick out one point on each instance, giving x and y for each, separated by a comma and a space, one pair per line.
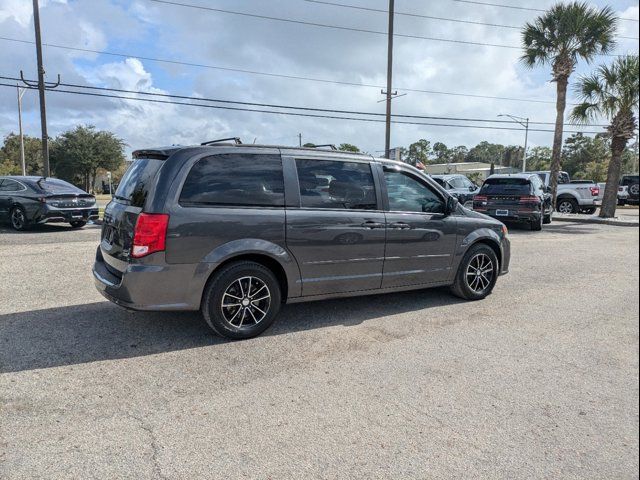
617, 222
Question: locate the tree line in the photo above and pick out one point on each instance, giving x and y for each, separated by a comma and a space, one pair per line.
77, 156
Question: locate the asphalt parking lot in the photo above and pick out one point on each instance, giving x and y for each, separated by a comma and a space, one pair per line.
538, 381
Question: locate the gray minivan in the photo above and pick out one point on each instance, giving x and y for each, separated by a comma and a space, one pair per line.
236, 230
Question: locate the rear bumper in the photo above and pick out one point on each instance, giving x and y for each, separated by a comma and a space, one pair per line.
55, 215
514, 216
147, 287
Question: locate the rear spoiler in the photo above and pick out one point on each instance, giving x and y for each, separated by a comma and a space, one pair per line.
154, 153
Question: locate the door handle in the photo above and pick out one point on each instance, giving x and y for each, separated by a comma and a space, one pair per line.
400, 226
372, 225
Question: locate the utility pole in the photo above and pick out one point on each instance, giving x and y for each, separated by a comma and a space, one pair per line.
41, 86
525, 123
389, 93
300, 139
22, 160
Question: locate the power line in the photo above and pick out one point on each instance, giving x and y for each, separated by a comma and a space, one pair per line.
286, 107
429, 17
333, 27
515, 7
275, 75
351, 29
295, 114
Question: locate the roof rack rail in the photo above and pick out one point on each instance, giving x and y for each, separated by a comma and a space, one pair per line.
236, 140
328, 145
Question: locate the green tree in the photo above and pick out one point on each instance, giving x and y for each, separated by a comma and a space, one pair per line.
441, 153
76, 155
347, 147
459, 154
611, 92
419, 152
560, 37
539, 158
10, 155
486, 152
586, 157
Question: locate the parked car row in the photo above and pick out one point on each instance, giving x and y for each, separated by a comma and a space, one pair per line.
25, 201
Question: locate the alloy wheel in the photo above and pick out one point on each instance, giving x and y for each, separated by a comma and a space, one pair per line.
565, 207
480, 273
17, 219
246, 302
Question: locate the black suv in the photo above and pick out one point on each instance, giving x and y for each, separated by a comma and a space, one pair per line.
236, 230
516, 198
25, 201
632, 184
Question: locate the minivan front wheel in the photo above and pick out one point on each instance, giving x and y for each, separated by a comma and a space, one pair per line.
241, 300
477, 274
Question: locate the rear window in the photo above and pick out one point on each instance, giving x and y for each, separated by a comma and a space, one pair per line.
55, 186
244, 180
506, 186
138, 180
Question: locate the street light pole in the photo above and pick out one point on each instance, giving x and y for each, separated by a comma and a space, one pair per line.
22, 160
525, 123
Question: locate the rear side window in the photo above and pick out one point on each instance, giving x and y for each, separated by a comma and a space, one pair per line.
244, 180
10, 186
336, 185
506, 186
138, 181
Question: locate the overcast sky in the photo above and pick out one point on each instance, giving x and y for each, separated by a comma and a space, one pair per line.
144, 28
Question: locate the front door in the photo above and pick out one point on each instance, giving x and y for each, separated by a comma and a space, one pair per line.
421, 239
337, 235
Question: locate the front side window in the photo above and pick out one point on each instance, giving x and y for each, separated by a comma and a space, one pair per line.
407, 194
336, 185
245, 180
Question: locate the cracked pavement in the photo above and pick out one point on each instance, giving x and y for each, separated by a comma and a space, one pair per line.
538, 381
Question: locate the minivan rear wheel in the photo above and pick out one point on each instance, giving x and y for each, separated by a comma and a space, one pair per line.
242, 300
477, 274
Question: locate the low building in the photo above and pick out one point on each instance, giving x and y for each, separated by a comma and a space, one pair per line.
483, 170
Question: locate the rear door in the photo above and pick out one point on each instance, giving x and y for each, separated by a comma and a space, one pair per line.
421, 239
336, 231
122, 212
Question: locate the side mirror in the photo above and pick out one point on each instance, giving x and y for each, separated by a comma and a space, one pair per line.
473, 188
548, 190
452, 205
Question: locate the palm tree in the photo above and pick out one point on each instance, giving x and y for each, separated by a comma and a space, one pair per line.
611, 92
560, 37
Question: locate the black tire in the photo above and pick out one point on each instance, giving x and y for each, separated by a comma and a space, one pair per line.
78, 224
18, 219
622, 203
567, 205
536, 225
462, 288
221, 285
548, 218
589, 211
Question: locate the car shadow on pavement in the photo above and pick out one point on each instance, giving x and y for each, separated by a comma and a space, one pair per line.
102, 331
563, 229
47, 228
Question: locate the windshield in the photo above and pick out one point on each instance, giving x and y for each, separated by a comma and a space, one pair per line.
55, 186
506, 186
138, 180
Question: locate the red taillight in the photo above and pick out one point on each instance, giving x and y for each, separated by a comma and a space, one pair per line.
595, 191
530, 199
480, 198
150, 234
480, 202
621, 189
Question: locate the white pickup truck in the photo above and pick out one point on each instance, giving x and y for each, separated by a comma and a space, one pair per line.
579, 196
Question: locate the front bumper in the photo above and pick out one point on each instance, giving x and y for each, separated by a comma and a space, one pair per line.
58, 215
